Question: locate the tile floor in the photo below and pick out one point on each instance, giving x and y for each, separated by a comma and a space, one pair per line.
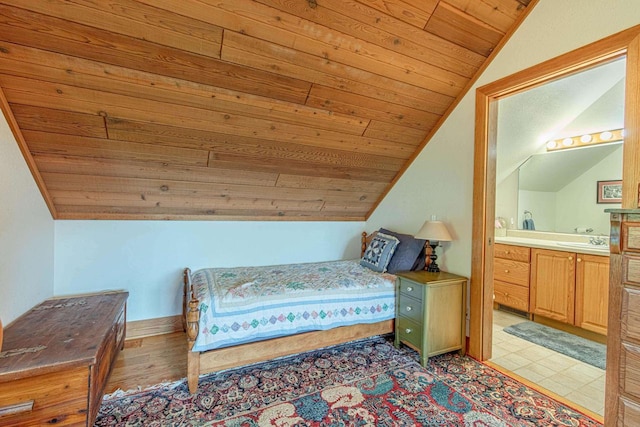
576, 381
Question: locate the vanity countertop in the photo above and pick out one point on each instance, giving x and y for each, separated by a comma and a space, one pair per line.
576, 246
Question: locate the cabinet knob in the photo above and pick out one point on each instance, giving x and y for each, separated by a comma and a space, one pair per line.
409, 289
507, 252
579, 260
408, 330
570, 258
409, 308
506, 271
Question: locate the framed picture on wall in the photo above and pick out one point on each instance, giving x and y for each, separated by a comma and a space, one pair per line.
609, 192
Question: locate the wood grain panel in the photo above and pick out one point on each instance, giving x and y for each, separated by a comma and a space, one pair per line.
416, 13
511, 271
511, 295
361, 22
515, 253
117, 106
140, 186
68, 145
59, 121
500, 14
26, 62
259, 94
362, 106
23, 27
58, 398
115, 17
456, 26
156, 170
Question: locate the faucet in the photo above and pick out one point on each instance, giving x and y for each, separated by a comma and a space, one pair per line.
598, 241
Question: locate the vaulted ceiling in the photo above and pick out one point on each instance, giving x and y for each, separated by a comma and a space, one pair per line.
234, 109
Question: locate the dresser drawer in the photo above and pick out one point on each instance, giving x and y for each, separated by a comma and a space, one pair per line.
630, 369
631, 270
631, 237
411, 289
515, 253
511, 271
511, 295
630, 314
629, 413
58, 398
410, 332
410, 307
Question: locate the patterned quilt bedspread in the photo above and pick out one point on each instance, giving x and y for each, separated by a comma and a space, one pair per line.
244, 304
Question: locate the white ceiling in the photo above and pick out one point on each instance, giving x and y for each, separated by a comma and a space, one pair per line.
590, 101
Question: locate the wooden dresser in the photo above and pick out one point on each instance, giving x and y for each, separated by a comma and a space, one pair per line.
56, 360
622, 398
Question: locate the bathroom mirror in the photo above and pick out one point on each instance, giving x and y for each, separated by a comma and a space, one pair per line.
560, 188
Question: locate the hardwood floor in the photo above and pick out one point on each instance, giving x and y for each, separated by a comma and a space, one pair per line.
148, 361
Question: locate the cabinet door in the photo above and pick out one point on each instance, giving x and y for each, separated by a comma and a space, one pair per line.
592, 292
553, 278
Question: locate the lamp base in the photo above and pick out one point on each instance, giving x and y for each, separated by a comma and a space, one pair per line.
432, 267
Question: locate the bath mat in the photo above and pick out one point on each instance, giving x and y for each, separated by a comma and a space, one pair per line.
570, 345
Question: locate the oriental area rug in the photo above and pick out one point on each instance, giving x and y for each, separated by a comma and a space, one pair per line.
363, 383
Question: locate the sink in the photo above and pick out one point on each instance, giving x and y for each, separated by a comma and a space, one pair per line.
600, 248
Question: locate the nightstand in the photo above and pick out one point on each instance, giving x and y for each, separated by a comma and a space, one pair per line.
430, 312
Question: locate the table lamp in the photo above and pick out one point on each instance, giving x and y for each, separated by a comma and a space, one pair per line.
434, 232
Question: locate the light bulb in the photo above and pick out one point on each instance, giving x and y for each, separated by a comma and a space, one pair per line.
567, 142
585, 138
551, 145
605, 136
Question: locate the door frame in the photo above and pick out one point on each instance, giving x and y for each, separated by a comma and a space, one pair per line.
623, 43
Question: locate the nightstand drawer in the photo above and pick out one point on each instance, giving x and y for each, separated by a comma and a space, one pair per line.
411, 289
410, 307
410, 332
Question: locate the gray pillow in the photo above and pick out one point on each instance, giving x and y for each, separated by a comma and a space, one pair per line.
406, 255
379, 252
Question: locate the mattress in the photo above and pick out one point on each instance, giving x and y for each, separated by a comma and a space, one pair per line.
246, 304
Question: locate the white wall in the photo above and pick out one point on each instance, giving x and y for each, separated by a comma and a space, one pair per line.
440, 181
582, 192
507, 200
147, 257
26, 234
543, 219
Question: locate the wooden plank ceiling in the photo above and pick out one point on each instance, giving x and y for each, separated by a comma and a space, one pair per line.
234, 109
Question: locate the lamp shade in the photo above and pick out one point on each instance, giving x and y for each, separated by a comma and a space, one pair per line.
434, 231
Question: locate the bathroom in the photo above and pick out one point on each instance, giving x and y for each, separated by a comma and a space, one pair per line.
558, 167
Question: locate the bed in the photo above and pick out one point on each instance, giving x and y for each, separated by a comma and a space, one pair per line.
238, 316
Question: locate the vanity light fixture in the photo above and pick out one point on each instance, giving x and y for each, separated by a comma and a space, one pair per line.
586, 139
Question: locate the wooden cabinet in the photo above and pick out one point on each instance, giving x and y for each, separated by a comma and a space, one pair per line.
622, 394
57, 357
511, 276
592, 292
570, 288
430, 312
553, 284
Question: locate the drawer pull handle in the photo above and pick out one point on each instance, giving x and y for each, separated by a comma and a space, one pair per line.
570, 258
579, 260
409, 289
409, 308
408, 330
506, 271
16, 408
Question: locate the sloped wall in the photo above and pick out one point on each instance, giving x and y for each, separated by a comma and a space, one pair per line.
26, 234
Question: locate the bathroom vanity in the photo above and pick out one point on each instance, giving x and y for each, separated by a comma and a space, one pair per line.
566, 282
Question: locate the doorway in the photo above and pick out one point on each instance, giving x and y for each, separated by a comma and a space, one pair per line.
616, 46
